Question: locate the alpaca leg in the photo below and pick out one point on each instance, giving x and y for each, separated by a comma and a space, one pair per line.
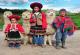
45, 40
49, 40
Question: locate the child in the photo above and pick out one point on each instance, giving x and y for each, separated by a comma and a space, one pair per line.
13, 31
38, 24
63, 25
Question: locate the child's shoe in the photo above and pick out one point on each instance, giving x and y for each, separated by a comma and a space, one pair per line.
17, 45
11, 45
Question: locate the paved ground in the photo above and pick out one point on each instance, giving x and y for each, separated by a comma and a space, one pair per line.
73, 44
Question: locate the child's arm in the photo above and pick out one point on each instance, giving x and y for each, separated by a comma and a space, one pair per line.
20, 29
7, 28
6, 31
44, 21
54, 23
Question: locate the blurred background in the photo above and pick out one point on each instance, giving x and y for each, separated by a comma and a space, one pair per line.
19, 6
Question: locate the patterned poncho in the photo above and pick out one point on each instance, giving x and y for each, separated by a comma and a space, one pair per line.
68, 23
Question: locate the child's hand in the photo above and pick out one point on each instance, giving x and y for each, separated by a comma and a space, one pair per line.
23, 34
6, 33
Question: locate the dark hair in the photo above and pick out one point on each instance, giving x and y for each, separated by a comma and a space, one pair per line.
62, 10
14, 18
38, 11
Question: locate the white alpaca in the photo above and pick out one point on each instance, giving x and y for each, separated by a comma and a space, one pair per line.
6, 19
50, 15
26, 25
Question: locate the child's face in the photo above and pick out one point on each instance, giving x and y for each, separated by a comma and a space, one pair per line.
63, 13
13, 20
36, 9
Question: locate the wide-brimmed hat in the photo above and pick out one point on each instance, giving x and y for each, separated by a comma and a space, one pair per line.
14, 16
36, 4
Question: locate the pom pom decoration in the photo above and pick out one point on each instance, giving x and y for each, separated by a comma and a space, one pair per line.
14, 16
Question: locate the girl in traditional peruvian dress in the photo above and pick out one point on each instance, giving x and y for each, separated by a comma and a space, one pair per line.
38, 24
63, 25
13, 31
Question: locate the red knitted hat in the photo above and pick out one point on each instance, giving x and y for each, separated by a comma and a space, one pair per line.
14, 16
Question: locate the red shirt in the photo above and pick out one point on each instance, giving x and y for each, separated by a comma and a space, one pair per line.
18, 27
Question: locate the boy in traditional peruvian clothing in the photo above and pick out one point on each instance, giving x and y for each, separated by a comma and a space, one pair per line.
13, 31
63, 25
38, 24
